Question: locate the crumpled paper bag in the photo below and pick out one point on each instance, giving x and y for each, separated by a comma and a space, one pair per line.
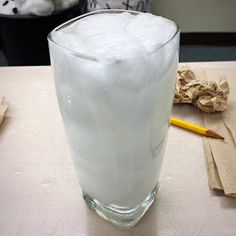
209, 96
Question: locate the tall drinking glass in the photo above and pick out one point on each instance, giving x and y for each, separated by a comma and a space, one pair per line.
116, 117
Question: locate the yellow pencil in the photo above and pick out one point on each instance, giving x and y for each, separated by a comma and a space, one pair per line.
194, 128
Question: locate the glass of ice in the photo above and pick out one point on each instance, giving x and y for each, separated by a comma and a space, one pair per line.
115, 75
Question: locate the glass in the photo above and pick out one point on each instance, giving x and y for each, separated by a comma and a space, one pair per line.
117, 128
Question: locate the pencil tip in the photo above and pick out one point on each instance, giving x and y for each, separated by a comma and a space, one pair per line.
213, 134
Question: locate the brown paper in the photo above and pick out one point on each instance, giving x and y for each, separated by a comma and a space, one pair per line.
3, 109
220, 155
213, 175
223, 152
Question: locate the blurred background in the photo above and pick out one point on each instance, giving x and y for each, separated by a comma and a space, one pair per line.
208, 29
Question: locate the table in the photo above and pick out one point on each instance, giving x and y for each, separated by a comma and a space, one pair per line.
39, 192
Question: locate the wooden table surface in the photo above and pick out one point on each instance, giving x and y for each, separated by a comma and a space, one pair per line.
39, 192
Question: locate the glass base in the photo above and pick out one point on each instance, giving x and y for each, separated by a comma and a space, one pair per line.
122, 217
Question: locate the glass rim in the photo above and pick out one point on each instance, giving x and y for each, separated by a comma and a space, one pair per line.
94, 58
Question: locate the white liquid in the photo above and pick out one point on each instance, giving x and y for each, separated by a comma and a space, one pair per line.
116, 109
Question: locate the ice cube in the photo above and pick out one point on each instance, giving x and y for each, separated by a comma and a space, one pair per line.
117, 36
71, 41
100, 24
152, 31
